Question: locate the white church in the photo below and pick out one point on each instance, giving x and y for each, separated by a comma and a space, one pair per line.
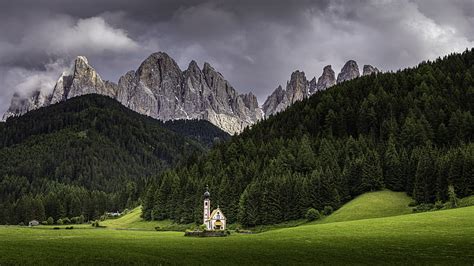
215, 220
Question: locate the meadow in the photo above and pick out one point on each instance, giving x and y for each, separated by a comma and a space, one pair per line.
439, 237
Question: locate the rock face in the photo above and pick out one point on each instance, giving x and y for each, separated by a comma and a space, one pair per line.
327, 79
22, 104
369, 70
158, 88
296, 90
161, 90
349, 71
82, 79
280, 99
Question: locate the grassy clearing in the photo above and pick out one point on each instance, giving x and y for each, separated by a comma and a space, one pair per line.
133, 220
372, 205
442, 237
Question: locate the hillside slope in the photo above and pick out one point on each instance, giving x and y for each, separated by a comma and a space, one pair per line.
407, 131
87, 155
372, 205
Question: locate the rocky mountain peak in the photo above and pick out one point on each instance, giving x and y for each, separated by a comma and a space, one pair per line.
21, 104
312, 85
298, 87
327, 79
368, 70
349, 71
81, 79
275, 102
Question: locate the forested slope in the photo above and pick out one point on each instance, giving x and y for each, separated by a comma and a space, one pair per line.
406, 131
88, 155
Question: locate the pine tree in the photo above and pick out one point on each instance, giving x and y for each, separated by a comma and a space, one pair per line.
392, 173
372, 175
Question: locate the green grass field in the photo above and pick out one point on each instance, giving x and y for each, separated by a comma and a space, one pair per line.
372, 205
440, 237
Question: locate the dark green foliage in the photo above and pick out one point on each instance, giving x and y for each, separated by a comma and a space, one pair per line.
406, 131
312, 214
327, 210
88, 155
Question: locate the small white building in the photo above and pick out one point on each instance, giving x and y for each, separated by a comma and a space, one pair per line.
215, 220
33, 223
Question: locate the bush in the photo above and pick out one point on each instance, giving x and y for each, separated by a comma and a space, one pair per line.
50, 221
44, 222
439, 205
60, 222
95, 223
66, 221
312, 214
328, 210
202, 227
412, 203
453, 199
424, 207
21, 224
81, 219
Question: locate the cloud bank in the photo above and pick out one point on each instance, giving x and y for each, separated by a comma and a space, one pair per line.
254, 44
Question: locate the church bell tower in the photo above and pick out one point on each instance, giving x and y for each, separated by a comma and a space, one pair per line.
207, 208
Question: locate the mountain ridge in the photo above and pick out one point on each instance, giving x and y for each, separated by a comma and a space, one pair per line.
160, 89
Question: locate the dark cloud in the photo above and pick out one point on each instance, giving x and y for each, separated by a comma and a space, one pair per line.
255, 44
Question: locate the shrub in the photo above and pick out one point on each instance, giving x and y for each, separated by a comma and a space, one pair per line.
81, 219
50, 221
453, 199
66, 221
312, 214
96, 223
328, 210
202, 227
412, 203
60, 222
439, 205
21, 224
424, 207
44, 222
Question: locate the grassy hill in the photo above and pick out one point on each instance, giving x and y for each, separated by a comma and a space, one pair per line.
441, 237
133, 220
372, 205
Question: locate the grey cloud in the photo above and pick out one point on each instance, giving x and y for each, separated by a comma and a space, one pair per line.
254, 44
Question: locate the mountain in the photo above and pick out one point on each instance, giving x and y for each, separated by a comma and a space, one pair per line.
349, 71
158, 88
299, 88
408, 131
90, 150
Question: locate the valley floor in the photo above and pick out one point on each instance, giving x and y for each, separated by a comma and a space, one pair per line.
440, 237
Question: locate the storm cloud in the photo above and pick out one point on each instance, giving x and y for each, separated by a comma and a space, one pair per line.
254, 44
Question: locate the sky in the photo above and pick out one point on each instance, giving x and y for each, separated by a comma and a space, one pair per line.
255, 44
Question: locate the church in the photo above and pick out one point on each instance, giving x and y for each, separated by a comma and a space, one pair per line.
215, 220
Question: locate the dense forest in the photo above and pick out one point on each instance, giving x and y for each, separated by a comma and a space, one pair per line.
88, 155
406, 131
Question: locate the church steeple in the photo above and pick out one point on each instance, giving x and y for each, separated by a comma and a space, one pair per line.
207, 208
